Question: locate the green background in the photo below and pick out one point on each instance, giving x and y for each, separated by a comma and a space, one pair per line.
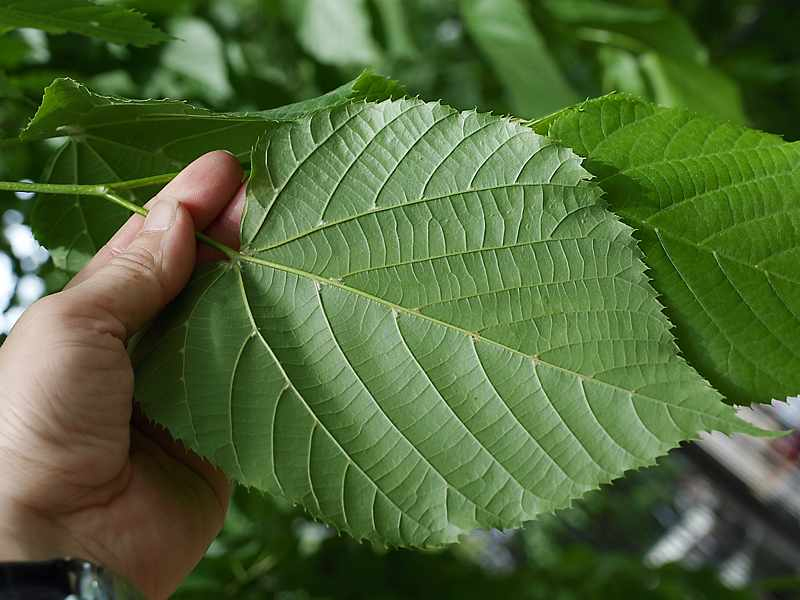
737, 59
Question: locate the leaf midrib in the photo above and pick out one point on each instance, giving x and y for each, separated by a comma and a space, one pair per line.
411, 312
422, 200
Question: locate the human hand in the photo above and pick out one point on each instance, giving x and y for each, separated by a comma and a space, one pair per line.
82, 476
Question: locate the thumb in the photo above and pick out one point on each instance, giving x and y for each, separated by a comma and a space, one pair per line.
140, 280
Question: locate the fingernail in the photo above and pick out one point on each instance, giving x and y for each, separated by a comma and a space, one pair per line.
161, 216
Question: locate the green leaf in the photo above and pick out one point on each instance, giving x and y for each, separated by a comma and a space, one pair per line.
432, 326
717, 209
109, 23
116, 139
14, 51
668, 54
508, 37
653, 27
336, 32
8, 91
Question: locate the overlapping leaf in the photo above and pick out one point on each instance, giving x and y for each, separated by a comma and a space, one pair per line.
110, 23
115, 139
432, 326
717, 207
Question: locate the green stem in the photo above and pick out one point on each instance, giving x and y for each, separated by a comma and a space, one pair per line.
226, 250
107, 192
101, 189
53, 188
132, 184
117, 199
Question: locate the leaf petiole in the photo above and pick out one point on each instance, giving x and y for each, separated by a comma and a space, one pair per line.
108, 191
132, 184
102, 189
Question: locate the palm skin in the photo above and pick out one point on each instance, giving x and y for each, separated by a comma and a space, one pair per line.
84, 476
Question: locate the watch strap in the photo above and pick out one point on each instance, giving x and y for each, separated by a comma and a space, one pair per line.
63, 579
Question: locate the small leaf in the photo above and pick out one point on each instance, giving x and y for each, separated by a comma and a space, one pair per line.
717, 208
508, 36
115, 139
109, 23
432, 326
336, 32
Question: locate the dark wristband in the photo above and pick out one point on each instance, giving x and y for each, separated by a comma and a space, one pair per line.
62, 579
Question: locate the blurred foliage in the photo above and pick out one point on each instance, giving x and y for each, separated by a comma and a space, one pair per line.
590, 551
738, 59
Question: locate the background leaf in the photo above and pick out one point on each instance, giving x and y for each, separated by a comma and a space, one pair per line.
394, 17
432, 326
651, 24
661, 49
695, 86
508, 37
115, 139
336, 32
109, 23
196, 59
716, 208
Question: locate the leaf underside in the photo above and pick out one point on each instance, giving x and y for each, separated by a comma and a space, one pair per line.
108, 23
717, 212
116, 139
432, 326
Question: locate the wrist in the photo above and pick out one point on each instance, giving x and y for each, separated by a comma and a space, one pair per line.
27, 536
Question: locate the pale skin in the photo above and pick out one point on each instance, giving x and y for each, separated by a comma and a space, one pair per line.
84, 475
